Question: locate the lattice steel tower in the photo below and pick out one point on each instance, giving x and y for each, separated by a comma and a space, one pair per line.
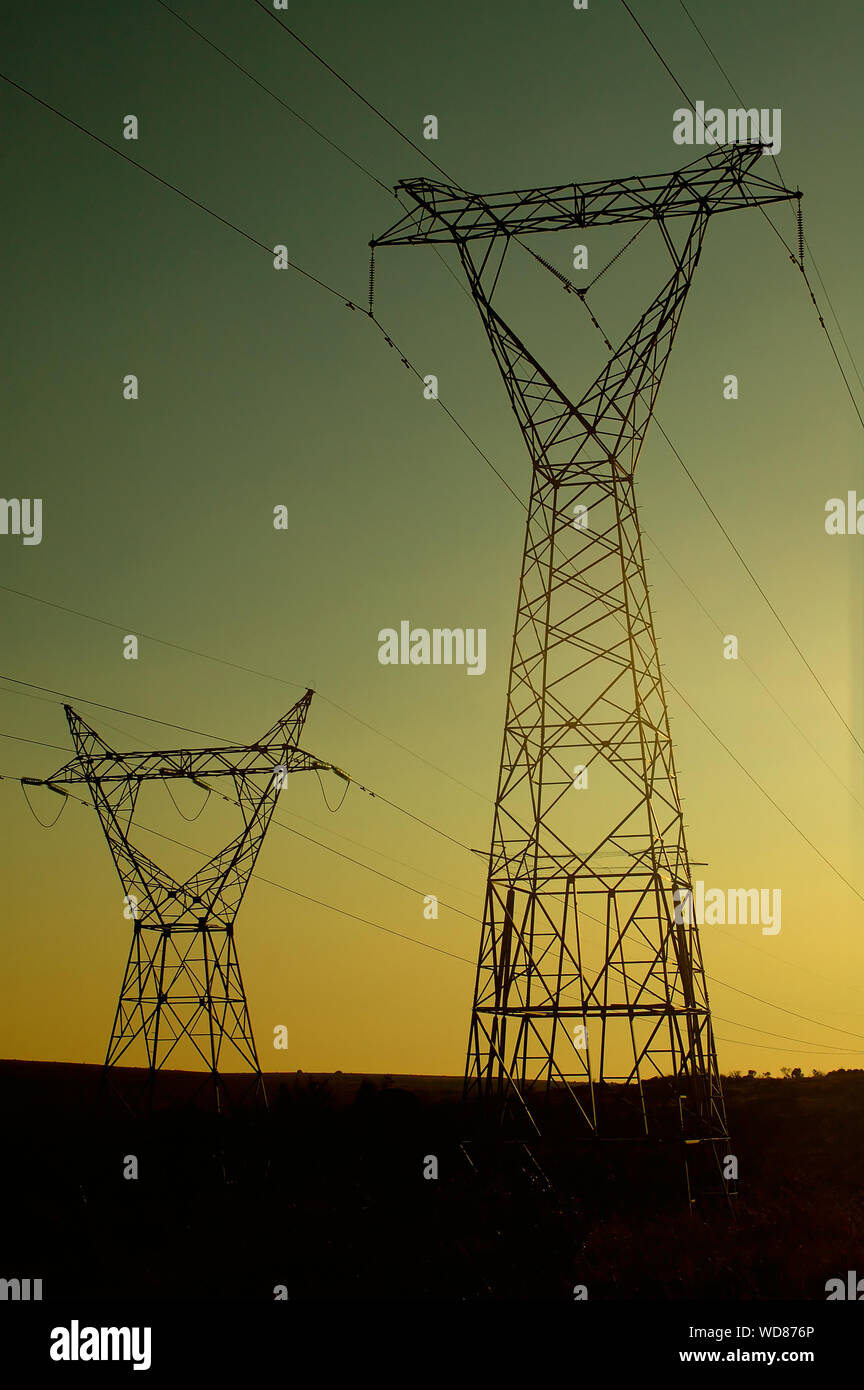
579, 943
182, 978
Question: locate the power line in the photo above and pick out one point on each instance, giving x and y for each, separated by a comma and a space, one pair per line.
390, 803
791, 1012
282, 824
39, 741
291, 829
806, 1042
701, 494
710, 50
334, 145
692, 479
283, 887
740, 99
46, 825
441, 950
747, 568
346, 300
167, 184
345, 83
773, 609
359, 844
409, 888
353, 306
390, 343
770, 1047
651, 45
402, 136
833, 311
783, 960
115, 709
826, 332
795, 259
377, 796
221, 661
340, 149
427, 824
713, 979
403, 746
382, 329
28, 695
761, 591
766, 794
665, 558
290, 109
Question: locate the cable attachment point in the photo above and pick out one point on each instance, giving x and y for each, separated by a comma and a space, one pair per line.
38, 782
328, 767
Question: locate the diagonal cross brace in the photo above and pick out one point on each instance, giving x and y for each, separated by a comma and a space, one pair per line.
720, 181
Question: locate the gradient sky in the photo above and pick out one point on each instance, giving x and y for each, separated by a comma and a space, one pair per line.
258, 388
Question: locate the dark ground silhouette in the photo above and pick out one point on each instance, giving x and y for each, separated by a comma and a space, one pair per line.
324, 1193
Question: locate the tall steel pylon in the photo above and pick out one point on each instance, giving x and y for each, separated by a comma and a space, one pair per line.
182, 977
584, 975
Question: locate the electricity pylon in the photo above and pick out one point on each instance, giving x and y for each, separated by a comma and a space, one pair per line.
584, 975
182, 978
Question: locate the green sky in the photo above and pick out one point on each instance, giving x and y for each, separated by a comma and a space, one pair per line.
258, 388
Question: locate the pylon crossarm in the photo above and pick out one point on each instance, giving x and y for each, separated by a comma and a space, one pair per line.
97, 761
721, 181
187, 764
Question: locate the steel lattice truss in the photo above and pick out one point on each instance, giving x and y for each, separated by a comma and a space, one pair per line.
579, 929
182, 978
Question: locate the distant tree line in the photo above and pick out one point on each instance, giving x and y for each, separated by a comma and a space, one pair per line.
787, 1073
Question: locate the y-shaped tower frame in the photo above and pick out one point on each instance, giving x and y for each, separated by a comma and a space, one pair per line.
584, 975
182, 977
